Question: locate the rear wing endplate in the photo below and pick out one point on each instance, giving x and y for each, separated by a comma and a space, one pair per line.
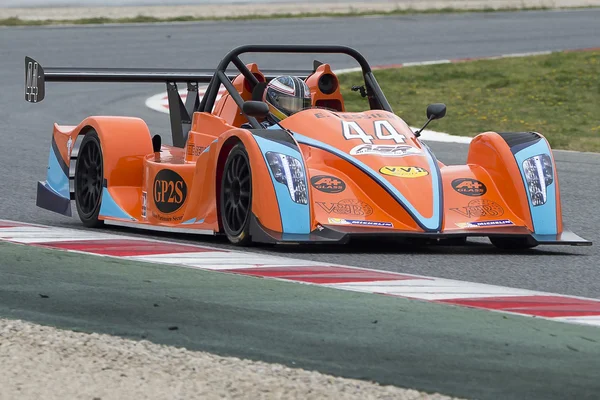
34, 81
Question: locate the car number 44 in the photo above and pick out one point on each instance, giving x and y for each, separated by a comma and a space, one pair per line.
384, 130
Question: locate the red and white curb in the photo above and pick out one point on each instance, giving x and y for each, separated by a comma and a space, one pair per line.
446, 291
159, 102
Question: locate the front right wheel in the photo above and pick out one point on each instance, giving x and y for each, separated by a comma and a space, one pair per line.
235, 200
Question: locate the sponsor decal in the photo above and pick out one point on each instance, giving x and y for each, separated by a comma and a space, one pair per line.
69, 148
347, 207
469, 187
144, 204
480, 208
363, 115
169, 191
386, 150
193, 150
404, 172
328, 184
483, 224
343, 221
162, 218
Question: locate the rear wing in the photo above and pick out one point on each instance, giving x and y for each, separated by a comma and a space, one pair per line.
180, 113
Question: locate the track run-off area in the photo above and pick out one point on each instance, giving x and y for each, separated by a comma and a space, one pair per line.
394, 329
420, 331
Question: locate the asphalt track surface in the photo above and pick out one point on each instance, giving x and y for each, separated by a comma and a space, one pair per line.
25, 128
452, 350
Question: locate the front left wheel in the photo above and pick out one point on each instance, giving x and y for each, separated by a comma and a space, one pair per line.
236, 196
89, 175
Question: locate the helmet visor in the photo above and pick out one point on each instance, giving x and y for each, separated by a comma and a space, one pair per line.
290, 105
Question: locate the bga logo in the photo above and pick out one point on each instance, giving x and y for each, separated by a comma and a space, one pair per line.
385, 150
328, 184
347, 207
170, 191
480, 208
404, 172
469, 187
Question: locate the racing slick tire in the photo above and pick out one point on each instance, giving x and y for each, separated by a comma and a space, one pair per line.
89, 176
235, 200
513, 243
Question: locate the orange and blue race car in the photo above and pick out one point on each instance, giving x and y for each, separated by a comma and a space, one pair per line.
276, 158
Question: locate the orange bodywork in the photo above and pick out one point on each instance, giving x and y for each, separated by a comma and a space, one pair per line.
364, 171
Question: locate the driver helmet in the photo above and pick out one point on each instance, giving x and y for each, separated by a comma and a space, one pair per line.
286, 95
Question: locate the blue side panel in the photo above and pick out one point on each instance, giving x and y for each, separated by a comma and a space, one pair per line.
109, 208
295, 218
543, 216
56, 178
193, 221
432, 224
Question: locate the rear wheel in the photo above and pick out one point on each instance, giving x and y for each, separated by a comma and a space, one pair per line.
89, 176
236, 196
513, 243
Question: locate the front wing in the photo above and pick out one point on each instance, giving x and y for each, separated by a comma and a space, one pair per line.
343, 234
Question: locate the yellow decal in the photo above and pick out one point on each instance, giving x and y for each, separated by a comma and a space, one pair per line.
404, 172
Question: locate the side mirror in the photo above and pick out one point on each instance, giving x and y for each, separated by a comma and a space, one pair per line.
253, 108
436, 111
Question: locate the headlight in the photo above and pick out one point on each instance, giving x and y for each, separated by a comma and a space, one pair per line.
539, 175
290, 172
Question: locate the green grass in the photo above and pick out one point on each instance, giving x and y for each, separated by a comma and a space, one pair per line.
557, 95
14, 21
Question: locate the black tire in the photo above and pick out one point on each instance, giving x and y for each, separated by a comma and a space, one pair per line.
513, 243
235, 199
89, 176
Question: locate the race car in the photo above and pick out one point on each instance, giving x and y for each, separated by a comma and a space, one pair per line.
241, 168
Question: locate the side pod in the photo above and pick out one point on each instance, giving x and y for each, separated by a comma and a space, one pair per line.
522, 166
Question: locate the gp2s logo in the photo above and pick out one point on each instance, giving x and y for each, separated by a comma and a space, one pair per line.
170, 191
